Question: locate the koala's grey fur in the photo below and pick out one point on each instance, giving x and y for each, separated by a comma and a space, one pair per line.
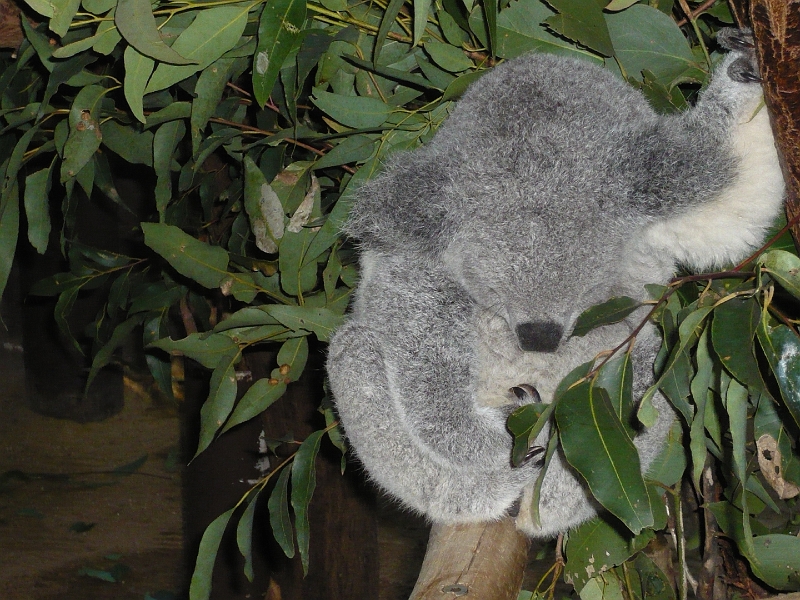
553, 186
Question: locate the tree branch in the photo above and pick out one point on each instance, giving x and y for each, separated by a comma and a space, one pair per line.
482, 561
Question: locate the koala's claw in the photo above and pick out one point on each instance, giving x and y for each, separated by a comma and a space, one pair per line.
526, 394
513, 510
731, 38
744, 70
536, 452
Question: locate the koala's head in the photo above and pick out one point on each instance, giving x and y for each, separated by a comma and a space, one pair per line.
527, 255
537, 268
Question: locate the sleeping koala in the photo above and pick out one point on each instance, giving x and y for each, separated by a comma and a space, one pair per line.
552, 187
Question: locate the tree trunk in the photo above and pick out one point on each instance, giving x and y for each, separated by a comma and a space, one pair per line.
776, 29
483, 561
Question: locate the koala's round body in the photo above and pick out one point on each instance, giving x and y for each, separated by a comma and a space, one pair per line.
552, 186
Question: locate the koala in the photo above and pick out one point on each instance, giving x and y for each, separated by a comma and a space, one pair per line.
551, 187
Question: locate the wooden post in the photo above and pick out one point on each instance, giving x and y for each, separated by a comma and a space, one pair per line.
483, 561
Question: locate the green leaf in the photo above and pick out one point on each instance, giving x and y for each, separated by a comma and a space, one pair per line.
782, 348
616, 378
264, 208
206, 264
138, 69
120, 335
43, 7
784, 267
596, 546
297, 278
303, 483
669, 465
200, 587
776, 560
134, 147
596, 445
244, 536
736, 405
165, 141
9, 230
583, 22
37, 207
213, 32
292, 358
202, 347
490, 8
732, 333
136, 23
278, 32
525, 424
258, 398
645, 38
520, 30
353, 111
84, 131
107, 37
221, 396
63, 13
279, 518
352, 149
448, 57
387, 21
208, 93
613, 310
421, 9
700, 393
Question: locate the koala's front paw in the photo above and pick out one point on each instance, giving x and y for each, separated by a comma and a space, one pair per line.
743, 69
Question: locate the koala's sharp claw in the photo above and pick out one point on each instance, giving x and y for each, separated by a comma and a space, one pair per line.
532, 453
513, 510
526, 394
744, 70
750, 77
731, 38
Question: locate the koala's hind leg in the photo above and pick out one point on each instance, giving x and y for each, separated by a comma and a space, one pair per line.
396, 455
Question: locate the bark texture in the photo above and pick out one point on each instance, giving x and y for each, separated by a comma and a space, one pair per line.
11, 35
483, 561
776, 29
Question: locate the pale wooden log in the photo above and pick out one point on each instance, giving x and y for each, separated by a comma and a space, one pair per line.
483, 561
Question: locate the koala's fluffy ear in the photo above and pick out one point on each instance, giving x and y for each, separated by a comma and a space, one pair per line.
406, 207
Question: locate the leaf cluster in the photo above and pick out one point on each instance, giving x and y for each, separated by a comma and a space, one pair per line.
255, 121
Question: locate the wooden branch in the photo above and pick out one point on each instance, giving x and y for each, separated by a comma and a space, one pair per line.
776, 29
11, 35
483, 561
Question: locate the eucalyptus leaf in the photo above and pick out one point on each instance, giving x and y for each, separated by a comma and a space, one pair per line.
595, 443
303, 483
200, 587
279, 518
204, 263
278, 32
137, 25
215, 31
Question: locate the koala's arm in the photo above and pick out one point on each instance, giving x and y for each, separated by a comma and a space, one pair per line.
400, 372
710, 177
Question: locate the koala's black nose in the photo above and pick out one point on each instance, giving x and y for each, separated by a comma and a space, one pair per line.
539, 336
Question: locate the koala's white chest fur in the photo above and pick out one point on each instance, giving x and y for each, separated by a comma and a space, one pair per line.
729, 227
